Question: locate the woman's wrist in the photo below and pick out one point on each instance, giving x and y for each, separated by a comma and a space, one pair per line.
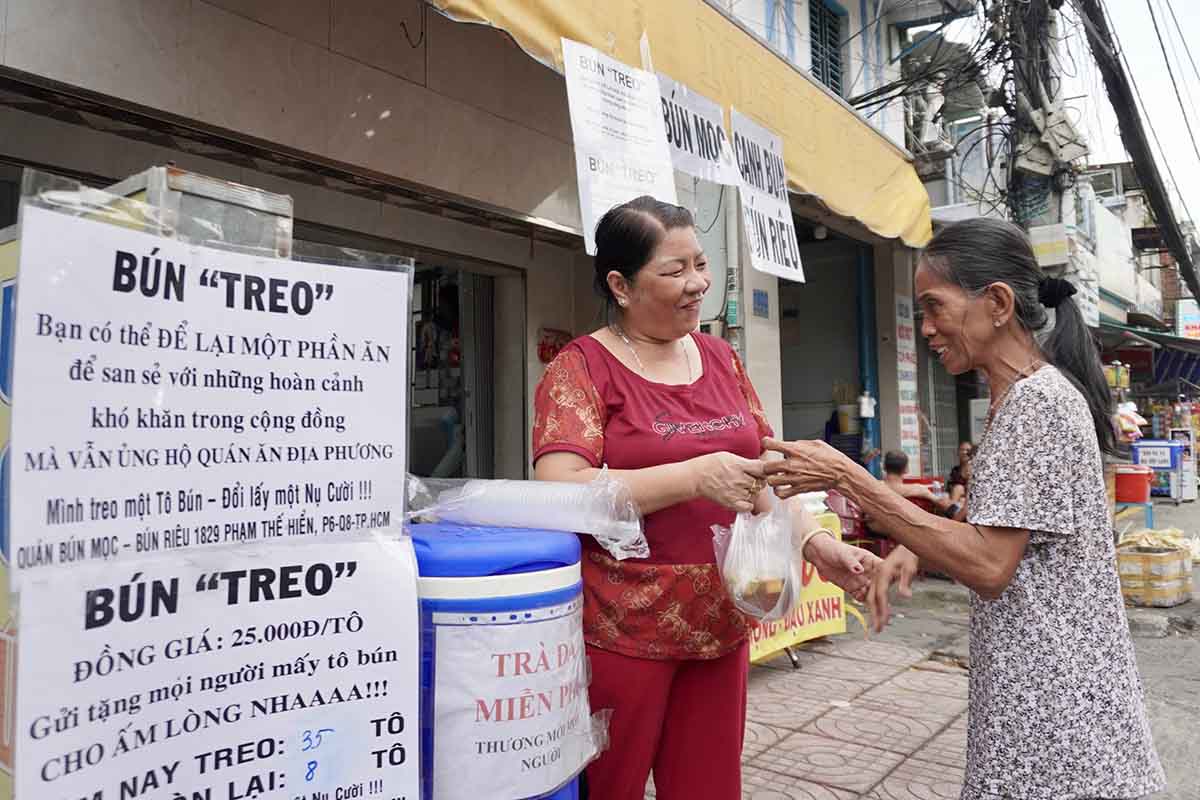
812, 536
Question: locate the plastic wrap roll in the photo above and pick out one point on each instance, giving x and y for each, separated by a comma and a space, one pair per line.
602, 508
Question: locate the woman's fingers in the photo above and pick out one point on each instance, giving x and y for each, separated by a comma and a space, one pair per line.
877, 600
776, 446
754, 467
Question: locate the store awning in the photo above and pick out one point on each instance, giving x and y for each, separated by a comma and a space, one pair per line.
830, 151
1174, 356
1115, 337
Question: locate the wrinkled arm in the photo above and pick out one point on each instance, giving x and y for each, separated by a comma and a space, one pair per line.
981, 557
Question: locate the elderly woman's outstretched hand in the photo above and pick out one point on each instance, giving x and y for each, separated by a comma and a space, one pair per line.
806, 467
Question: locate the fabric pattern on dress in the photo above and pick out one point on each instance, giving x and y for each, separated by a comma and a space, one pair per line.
1056, 703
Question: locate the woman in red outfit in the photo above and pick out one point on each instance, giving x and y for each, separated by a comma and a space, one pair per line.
672, 413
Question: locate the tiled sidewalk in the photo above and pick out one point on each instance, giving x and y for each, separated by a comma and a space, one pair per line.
858, 720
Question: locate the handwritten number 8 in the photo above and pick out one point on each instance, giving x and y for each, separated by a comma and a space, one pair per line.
312, 771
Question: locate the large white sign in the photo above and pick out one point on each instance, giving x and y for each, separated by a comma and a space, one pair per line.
907, 383
766, 212
621, 149
516, 702
281, 673
695, 129
172, 397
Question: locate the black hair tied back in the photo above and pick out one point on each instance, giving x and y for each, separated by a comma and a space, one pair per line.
1052, 292
975, 253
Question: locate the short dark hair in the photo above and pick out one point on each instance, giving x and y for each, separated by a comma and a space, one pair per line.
627, 235
895, 462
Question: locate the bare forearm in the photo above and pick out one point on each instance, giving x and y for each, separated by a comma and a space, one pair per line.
653, 488
955, 548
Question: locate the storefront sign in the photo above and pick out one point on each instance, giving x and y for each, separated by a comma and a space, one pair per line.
621, 148
516, 702
820, 611
174, 397
696, 133
1187, 319
766, 212
907, 383
289, 673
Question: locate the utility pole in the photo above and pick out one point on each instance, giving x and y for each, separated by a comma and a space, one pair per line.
1133, 136
1046, 142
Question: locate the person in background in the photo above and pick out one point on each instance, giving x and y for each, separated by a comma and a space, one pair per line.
672, 414
960, 474
895, 466
1057, 708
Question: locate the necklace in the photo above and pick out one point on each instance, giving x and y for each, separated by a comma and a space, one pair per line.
1034, 366
621, 335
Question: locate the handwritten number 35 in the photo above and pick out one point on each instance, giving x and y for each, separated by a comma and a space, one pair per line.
313, 740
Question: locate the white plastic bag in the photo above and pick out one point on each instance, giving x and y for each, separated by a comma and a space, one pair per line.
755, 560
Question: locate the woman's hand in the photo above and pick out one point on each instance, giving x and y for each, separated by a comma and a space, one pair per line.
899, 567
842, 564
806, 467
729, 480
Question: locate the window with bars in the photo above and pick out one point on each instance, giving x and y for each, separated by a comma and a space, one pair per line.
825, 31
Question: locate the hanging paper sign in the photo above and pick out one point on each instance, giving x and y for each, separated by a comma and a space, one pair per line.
621, 149
695, 129
766, 212
172, 397
291, 672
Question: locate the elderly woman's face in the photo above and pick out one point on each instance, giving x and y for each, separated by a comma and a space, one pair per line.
956, 325
664, 300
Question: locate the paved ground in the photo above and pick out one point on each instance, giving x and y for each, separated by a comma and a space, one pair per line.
886, 719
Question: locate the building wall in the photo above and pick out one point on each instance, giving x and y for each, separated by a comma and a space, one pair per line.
866, 58
893, 276
379, 84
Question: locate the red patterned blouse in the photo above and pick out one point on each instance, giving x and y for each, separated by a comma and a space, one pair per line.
671, 605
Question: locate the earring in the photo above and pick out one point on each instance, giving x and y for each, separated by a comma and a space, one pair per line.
996, 323
622, 303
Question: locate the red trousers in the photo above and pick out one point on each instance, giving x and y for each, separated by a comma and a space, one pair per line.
684, 719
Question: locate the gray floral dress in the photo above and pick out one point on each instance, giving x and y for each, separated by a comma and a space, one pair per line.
1056, 709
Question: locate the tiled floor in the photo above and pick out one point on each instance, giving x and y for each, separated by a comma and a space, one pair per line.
857, 721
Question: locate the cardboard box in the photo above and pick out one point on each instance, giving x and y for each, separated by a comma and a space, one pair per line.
1155, 576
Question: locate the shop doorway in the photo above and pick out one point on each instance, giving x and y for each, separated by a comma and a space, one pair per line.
451, 401
819, 340
939, 412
